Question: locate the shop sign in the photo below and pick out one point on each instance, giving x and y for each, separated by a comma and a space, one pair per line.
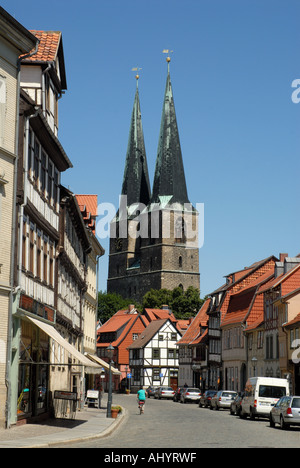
37, 308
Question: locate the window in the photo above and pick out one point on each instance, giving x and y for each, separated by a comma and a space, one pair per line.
45, 271
156, 373
260, 339
31, 248
43, 173
36, 160
172, 353
50, 181
180, 230
155, 353
135, 336
55, 188
180, 262
24, 244
51, 265
38, 254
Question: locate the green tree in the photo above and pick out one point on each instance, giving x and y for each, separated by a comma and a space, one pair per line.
184, 304
109, 304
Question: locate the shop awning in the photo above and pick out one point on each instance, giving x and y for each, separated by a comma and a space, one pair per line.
103, 364
94, 367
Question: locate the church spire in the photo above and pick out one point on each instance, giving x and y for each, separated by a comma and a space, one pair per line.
136, 183
169, 179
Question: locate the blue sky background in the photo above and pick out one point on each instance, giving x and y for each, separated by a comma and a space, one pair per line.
232, 68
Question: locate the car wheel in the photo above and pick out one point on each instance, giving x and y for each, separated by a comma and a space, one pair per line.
272, 424
282, 424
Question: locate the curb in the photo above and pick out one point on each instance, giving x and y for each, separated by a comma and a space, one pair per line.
106, 433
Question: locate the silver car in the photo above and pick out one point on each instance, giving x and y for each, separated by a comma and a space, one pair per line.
190, 394
286, 412
164, 392
222, 399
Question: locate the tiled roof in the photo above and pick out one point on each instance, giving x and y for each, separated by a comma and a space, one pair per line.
295, 321
159, 314
193, 331
293, 283
247, 304
149, 332
88, 205
48, 46
254, 276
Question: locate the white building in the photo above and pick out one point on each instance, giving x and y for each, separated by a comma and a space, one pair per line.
153, 357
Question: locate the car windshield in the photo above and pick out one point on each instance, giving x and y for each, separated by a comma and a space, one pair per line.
268, 391
229, 394
296, 403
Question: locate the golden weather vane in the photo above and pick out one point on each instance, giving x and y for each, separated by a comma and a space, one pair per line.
168, 51
136, 69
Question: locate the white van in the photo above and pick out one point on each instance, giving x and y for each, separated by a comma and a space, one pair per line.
261, 394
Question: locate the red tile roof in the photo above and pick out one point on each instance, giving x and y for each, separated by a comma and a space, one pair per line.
88, 205
194, 330
48, 46
248, 304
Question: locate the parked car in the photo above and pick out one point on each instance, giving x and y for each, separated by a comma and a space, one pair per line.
151, 391
164, 392
190, 394
177, 393
286, 412
261, 394
206, 398
235, 406
222, 399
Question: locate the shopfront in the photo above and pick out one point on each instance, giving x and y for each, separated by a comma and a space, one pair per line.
33, 361
33, 381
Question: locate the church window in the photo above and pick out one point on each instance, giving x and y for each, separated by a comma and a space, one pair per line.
180, 261
180, 230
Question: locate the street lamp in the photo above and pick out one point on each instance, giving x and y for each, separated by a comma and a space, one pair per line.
254, 363
110, 352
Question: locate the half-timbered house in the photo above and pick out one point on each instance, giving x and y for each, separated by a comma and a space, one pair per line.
153, 357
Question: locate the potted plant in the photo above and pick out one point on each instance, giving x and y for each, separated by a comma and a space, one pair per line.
115, 410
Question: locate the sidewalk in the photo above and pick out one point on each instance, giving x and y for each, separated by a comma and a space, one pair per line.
89, 424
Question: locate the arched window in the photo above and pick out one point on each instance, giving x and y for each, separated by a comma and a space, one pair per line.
180, 261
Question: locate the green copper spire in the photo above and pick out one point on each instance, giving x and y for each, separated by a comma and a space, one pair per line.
169, 178
136, 183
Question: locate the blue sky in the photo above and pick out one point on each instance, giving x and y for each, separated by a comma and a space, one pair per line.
232, 68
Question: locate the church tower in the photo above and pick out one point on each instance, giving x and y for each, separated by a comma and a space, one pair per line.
164, 251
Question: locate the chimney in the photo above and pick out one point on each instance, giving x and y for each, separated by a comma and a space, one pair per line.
131, 308
282, 256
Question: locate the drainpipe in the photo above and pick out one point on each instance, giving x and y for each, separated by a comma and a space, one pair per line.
13, 238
